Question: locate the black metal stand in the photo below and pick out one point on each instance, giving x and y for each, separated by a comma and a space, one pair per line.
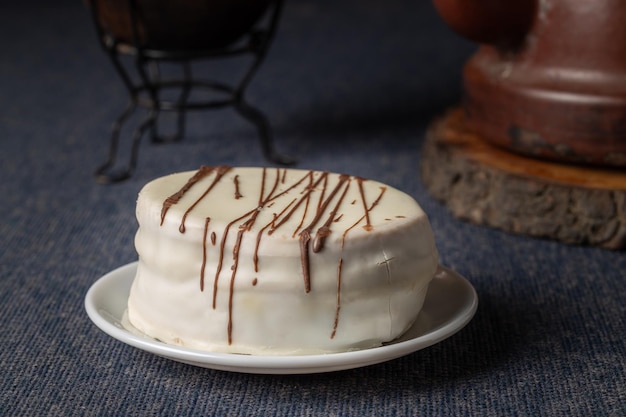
146, 92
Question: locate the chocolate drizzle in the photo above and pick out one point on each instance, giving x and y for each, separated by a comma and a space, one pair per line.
246, 226
220, 173
175, 198
221, 257
204, 255
237, 193
367, 210
324, 231
312, 237
320, 236
368, 224
338, 306
255, 257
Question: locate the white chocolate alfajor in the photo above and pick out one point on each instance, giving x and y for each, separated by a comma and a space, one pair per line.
270, 261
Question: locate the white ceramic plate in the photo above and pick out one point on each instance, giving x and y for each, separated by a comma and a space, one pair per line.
450, 304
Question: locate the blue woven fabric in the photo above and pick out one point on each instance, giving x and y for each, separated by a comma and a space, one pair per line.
349, 86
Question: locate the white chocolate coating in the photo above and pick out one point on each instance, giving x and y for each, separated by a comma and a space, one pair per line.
198, 284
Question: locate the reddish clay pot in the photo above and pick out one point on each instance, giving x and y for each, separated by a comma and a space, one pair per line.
549, 79
180, 24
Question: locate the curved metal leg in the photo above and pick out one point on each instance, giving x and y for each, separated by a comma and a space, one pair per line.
148, 123
250, 113
104, 173
260, 121
182, 100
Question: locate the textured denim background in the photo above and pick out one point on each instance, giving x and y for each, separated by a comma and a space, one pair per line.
349, 86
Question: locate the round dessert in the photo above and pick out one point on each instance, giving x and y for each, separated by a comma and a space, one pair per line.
270, 261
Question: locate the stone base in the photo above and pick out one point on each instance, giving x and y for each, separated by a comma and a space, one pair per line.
486, 185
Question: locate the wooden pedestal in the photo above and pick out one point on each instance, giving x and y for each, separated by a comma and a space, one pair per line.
486, 185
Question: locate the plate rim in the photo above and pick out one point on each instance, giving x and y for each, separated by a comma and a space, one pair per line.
274, 364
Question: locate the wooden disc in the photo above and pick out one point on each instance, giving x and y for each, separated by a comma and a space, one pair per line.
487, 185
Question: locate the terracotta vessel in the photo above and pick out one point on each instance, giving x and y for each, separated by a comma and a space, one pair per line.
549, 79
181, 24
